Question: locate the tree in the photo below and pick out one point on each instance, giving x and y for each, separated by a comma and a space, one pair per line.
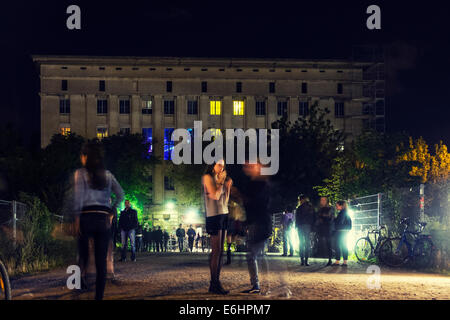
308, 148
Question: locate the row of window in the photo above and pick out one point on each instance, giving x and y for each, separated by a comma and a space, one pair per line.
192, 107
204, 87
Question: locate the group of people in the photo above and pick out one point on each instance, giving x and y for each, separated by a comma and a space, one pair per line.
332, 229
95, 219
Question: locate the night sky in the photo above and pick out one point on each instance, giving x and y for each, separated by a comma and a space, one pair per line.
417, 35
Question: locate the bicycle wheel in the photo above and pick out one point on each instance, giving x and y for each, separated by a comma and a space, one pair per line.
423, 251
392, 254
5, 285
363, 249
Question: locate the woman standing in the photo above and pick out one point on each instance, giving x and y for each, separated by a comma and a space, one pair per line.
216, 191
94, 210
342, 225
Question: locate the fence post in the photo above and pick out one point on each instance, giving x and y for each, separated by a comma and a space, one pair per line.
14, 212
422, 202
379, 211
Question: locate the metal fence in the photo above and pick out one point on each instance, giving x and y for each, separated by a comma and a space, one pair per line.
11, 212
365, 212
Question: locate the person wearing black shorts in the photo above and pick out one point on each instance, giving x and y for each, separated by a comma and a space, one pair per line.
216, 192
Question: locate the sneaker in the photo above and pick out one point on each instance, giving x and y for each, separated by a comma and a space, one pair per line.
254, 290
344, 265
291, 255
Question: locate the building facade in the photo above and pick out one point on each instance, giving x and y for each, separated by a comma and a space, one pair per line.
100, 96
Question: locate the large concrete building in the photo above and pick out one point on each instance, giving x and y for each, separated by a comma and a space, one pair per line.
100, 96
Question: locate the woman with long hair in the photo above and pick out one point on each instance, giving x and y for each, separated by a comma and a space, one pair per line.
94, 211
216, 192
342, 225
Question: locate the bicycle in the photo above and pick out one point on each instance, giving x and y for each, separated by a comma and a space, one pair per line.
364, 248
396, 252
5, 284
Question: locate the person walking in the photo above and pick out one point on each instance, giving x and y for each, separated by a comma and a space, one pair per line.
191, 237
181, 234
342, 225
94, 211
216, 193
256, 197
304, 219
287, 221
325, 217
128, 223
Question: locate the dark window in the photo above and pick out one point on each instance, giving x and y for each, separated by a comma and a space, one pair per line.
124, 131
101, 85
169, 86
204, 86
379, 125
124, 106
339, 110
192, 107
282, 108
168, 183
303, 108
147, 107
168, 143
64, 106
272, 87
260, 108
238, 86
64, 85
340, 88
304, 87
102, 106
169, 107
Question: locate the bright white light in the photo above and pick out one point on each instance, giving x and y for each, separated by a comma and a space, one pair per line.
170, 205
293, 235
191, 217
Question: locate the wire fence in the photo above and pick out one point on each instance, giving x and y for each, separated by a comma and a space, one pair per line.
11, 213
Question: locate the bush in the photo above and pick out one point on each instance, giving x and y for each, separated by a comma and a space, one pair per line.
35, 249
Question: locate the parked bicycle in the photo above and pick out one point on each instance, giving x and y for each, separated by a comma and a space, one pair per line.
364, 247
5, 285
396, 252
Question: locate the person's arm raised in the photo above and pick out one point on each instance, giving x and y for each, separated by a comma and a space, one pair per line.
214, 191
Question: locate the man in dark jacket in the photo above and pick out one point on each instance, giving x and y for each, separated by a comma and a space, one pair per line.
166, 238
304, 220
159, 239
128, 222
191, 236
325, 217
256, 197
181, 234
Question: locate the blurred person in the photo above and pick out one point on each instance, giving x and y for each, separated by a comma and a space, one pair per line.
287, 221
128, 223
216, 193
139, 240
236, 216
304, 220
94, 211
198, 239
256, 196
146, 237
191, 236
325, 217
342, 225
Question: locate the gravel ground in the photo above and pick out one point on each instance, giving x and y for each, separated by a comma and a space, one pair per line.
186, 276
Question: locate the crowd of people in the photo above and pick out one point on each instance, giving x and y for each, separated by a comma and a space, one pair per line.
232, 212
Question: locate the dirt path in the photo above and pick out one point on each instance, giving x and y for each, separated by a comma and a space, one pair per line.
186, 276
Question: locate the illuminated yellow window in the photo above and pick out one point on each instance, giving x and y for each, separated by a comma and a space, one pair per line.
215, 132
64, 131
238, 108
215, 106
102, 132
